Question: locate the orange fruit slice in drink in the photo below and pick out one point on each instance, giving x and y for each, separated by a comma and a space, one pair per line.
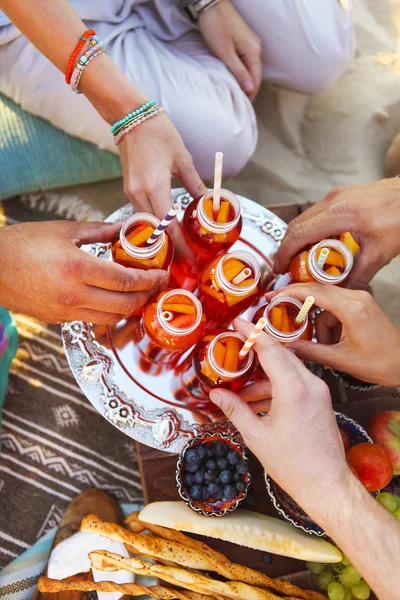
183, 321
219, 353
232, 267
298, 267
231, 360
185, 309
333, 258
350, 242
141, 235
223, 212
333, 271
276, 317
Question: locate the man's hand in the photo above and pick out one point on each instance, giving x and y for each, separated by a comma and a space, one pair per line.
354, 334
231, 40
298, 443
45, 275
371, 212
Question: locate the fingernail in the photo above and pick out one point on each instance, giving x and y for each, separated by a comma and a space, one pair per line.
248, 86
215, 397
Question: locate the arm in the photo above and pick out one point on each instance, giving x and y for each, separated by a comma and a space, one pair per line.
300, 447
54, 28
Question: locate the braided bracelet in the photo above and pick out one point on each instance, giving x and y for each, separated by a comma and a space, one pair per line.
134, 113
76, 88
78, 48
136, 123
95, 46
132, 119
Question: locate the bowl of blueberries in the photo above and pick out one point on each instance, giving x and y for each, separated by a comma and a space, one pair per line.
213, 474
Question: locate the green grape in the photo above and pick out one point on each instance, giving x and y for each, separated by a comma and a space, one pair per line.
348, 594
361, 590
315, 567
345, 561
388, 501
324, 579
397, 498
397, 513
335, 591
349, 576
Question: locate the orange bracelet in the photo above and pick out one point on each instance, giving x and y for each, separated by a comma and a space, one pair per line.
78, 48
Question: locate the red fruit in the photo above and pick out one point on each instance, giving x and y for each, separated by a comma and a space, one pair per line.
371, 465
384, 429
345, 439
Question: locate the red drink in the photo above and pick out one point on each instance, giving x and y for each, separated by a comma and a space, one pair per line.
281, 315
304, 267
216, 363
222, 295
130, 251
172, 323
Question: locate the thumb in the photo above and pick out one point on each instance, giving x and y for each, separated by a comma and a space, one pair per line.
322, 354
89, 233
237, 411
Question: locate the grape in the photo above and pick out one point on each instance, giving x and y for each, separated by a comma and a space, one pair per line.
335, 591
361, 590
397, 498
324, 579
349, 576
316, 568
348, 594
345, 561
397, 513
388, 501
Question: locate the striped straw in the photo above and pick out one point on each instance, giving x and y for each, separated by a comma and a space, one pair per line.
308, 302
244, 274
219, 158
323, 255
261, 323
170, 216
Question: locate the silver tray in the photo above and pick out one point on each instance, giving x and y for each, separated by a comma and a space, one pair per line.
146, 404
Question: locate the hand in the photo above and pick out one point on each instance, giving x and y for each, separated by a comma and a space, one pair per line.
354, 334
44, 274
231, 40
370, 211
298, 443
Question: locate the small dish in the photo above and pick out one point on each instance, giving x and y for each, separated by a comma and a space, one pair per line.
219, 447
285, 503
353, 383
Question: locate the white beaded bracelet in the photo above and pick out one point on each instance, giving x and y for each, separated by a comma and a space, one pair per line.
135, 123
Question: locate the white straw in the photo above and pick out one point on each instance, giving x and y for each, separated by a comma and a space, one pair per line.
323, 255
308, 302
219, 157
261, 323
167, 315
245, 274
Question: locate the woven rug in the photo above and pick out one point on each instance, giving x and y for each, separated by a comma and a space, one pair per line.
54, 444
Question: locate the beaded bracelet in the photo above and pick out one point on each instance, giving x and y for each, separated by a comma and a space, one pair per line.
137, 122
76, 88
134, 113
95, 45
150, 110
78, 48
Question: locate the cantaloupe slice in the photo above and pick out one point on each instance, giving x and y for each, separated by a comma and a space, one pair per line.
245, 528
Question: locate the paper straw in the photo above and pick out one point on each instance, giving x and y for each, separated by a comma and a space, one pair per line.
308, 302
219, 157
245, 274
167, 315
261, 323
170, 216
323, 255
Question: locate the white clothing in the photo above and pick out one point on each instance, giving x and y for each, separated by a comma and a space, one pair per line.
307, 45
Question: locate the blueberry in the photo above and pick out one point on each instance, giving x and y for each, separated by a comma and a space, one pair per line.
191, 468
242, 468
204, 493
225, 476
195, 492
220, 449
237, 477
222, 463
188, 479
214, 490
210, 476
199, 476
209, 452
230, 492
233, 457
201, 452
192, 456
211, 464
267, 558
240, 486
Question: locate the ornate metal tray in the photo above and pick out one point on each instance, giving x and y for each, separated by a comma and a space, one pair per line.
146, 403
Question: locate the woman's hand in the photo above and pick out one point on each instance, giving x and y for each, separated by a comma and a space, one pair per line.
354, 334
370, 211
44, 274
229, 37
298, 443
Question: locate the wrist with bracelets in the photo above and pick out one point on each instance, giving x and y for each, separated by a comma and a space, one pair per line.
148, 110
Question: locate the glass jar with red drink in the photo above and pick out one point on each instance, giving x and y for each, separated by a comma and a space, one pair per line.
228, 286
305, 266
281, 324
129, 249
216, 363
172, 323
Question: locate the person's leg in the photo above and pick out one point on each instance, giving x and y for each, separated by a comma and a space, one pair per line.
307, 44
199, 94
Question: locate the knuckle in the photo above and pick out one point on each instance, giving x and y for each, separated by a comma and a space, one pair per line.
297, 229
129, 306
131, 190
126, 282
153, 187
69, 299
113, 319
334, 193
72, 267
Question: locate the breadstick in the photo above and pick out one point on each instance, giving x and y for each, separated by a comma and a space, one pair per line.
191, 557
